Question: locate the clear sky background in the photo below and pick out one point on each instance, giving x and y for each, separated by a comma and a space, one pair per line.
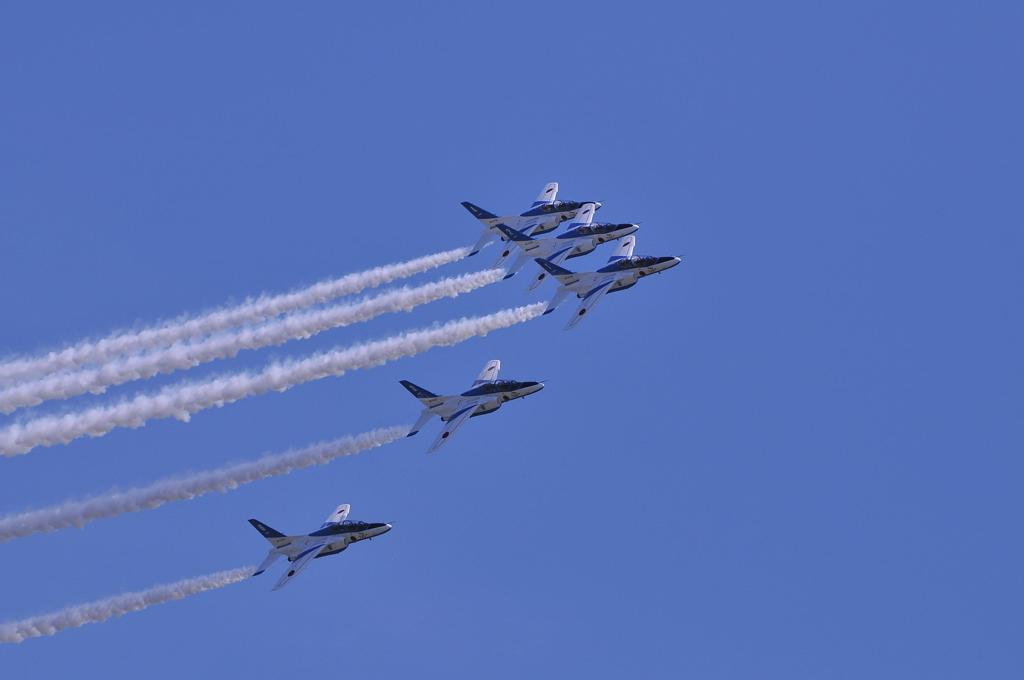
796, 455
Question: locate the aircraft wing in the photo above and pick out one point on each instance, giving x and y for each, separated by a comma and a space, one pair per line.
269, 560
517, 264
560, 256
590, 298
458, 419
301, 561
504, 256
514, 242
556, 259
425, 416
485, 238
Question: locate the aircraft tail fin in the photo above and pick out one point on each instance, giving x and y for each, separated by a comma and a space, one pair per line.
547, 194
489, 372
273, 536
584, 215
478, 212
338, 516
624, 248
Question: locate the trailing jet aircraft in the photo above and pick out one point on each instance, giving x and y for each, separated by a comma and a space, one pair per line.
622, 272
486, 395
544, 215
333, 536
581, 238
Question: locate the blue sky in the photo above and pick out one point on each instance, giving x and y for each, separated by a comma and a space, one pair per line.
796, 455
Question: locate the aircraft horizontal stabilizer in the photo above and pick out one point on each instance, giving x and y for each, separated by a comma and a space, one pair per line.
552, 269
273, 536
478, 212
417, 391
512, 234
265, 531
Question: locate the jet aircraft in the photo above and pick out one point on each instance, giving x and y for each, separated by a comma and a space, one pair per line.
544, 215
622, 271
581, 238
336, 534
486, 395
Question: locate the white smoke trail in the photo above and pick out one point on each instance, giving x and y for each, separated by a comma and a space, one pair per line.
223, 479
251, 311
228, 344
119, 605
182, 400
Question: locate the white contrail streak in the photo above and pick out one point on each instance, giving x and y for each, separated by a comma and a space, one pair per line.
182, 400
184, 355
223, 479
119, 605
251, 311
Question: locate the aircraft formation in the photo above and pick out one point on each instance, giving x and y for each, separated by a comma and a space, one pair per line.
532, 241
521, 241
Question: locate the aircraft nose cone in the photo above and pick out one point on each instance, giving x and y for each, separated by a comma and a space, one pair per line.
673, 261
531, 387
386, 528
597, 205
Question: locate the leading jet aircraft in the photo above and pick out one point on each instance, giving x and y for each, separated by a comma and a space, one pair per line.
622, 272
336, 534
486, 395
544, 215
581, 238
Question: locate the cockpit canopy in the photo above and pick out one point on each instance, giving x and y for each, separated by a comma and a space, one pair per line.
495, 387
344, 527
635, 262
645, 260
596, 228
559, 206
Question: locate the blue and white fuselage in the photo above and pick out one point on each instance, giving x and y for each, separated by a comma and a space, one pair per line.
622, 271
543, 216
582, 237
336, 534
486, 395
